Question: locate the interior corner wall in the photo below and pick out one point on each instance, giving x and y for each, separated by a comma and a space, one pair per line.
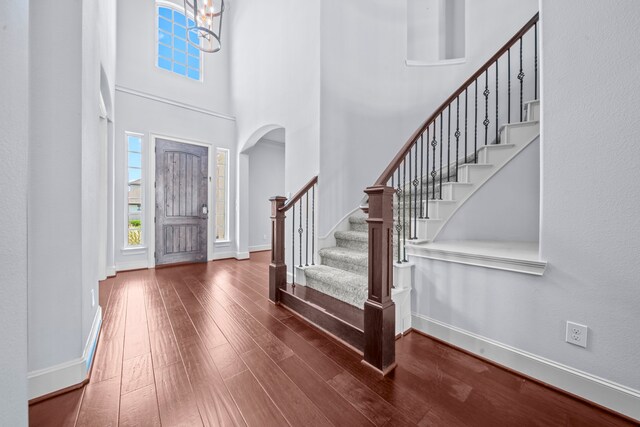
14, 143
275, 64
266, 179
371, 101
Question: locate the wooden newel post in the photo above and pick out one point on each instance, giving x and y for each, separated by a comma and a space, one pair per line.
277, 268
379, 309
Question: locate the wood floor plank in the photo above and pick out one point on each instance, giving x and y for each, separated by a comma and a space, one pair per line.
176, 400
137, 373
60, 411
332, 405
292, 402
100, 404
227, 361
136, 336
140, 408
257, 408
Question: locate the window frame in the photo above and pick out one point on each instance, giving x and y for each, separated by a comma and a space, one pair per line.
156, 28
227, 238
143, 169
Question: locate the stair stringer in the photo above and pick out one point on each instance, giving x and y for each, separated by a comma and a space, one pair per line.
496, 167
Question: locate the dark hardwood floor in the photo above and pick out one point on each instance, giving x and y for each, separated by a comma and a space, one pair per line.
201, 345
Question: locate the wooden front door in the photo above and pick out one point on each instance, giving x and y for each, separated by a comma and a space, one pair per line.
181, 202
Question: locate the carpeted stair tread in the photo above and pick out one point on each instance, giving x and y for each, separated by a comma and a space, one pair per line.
352, 260
357, 240
346, 286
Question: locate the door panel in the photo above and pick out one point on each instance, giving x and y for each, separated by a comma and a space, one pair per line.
181, 202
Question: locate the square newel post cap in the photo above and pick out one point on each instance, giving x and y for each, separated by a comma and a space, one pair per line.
277, 199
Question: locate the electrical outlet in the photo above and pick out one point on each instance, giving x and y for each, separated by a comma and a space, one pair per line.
93, 298
577, 334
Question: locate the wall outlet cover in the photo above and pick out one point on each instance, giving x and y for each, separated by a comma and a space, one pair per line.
577, 334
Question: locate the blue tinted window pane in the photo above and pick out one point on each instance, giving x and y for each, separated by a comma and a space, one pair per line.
180, 69
180, 45
194, 51
193, 37
135, 160
164, 63
164, 51
194, 62
165, 25
179, 31
164, 38
179, 18
134, 174
191, 23
165, 12
179, 57
194, 74
134, 143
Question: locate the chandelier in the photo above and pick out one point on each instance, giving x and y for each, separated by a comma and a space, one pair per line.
206, 28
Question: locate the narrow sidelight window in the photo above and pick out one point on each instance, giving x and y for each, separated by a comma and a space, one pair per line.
222, 194
134, 216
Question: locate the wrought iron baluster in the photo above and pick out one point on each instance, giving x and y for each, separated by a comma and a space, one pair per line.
497, 98
475, 130
404, 211
409, 192
398, 223
427, 194
441, 142
422, 170
300, 231
434, 143
415, 193
293, 244
313, 224
509, 85
448, 144
306, 234
521, 78
486, 106
457, 134
466, 127
535, 56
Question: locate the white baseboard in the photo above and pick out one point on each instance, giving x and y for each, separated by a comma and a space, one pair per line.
259, 248
111, 271
58, 377
617, 397
132, 265
230, 254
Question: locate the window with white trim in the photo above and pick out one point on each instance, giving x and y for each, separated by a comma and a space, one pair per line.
135, 192
222, 195
174, 51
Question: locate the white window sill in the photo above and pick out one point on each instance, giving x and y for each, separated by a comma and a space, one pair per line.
415, 63
136, 250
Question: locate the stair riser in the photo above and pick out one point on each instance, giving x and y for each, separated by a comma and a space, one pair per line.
352, 244
520, 133
348, 266
532, 111
343, 294
495, 156
357, 226
474, 173
438, 209
455, 192
427, 228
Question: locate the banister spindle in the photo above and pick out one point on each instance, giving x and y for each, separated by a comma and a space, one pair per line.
410, 150
398, 223
486, 106
457, 134
415, 192
300, 231
441, 144
475, 131
422, 170
509, 85
434, 143
448, 144
313, 224
497, 98
404, 212
466, 128
535, 56
293, 244
521, 78
306, 234
427, 189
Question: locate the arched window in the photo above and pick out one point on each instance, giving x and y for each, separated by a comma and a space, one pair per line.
174, 52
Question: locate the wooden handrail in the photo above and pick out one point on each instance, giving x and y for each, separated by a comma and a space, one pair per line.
299, 194
397, 160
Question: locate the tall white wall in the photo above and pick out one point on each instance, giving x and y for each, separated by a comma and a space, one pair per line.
275, 63
152, 101
266, 179
589, 223
66, 53
14, 112
371, 102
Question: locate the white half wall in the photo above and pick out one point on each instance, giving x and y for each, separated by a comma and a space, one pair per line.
266, 179
14, 145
